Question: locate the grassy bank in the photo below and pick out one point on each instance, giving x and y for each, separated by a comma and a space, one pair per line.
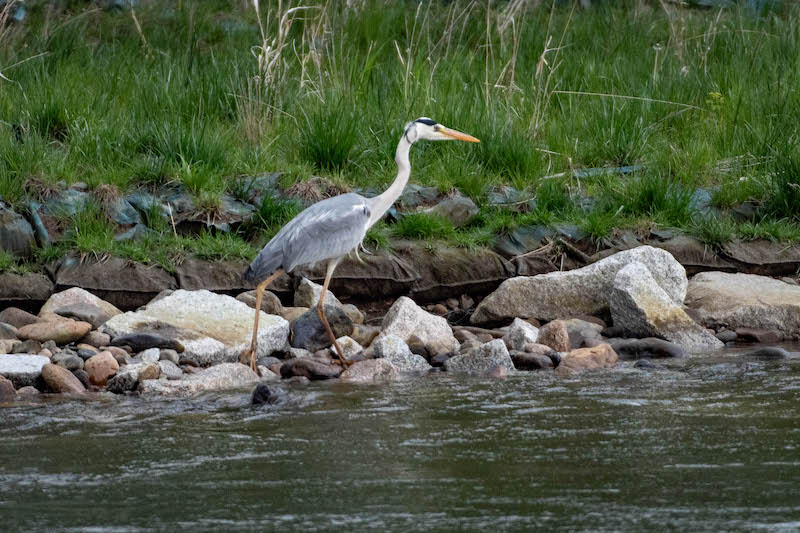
198, 93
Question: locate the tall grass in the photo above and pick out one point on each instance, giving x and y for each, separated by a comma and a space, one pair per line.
198, 92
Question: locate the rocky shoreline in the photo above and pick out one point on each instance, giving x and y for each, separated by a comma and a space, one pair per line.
637, 304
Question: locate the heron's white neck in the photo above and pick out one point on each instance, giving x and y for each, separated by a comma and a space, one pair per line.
382, 202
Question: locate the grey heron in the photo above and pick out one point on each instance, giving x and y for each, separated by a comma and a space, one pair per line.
330, 229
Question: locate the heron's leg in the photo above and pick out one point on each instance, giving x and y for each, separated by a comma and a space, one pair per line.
259, 294
321, 312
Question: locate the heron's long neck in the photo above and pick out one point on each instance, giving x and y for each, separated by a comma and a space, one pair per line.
382, 202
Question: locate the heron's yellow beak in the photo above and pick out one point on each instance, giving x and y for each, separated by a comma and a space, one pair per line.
453, 134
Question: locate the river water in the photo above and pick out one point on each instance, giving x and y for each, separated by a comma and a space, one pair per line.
711, 444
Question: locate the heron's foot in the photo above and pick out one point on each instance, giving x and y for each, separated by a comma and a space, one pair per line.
248, 357
344, 362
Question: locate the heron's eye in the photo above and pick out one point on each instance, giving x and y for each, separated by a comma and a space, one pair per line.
437, 127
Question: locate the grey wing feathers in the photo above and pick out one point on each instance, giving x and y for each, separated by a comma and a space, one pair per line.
326, 230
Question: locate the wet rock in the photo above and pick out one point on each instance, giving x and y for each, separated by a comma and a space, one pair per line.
86, 353
350, 348
7, 332
364, 335
101, 368
170, 369
130, 376
146, 340
602, 356
555, 335
62, 332
29, 347
498, 371
96, 339
28, 391
16, 234
266, 395
219, 377
211, 327
438, 360
745, 301
643, 309
648, 365
270, 303
17, 317
75, 296
583, 291
530, 361
68, 360
648, 347
405, 318
166, 354
481, 360
769, 352
84, 312
763, 336
307, 295
726, 336
59, 379
310, 368
7, 392
371, 371
519, 334
83, 377
309, 333
459, 210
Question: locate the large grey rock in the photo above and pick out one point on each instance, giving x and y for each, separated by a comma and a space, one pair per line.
371, 371
75, 296
520, 333
396, 351
16, 234
8, 332
212, 328
22, 370
481, 360
84, 312
458, 210
641, 308
405, 318
583, 291
745, 300
220, 377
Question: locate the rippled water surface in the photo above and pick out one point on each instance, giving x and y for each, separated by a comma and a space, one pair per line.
712, 444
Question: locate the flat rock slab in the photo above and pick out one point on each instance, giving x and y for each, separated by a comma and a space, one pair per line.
583, 291
212, 328
745, 301
22, 370
26, 291
220, 377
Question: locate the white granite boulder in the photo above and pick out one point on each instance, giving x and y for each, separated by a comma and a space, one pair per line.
641, 308
481, 360
220, 377
519, 334
395, 350
405, 318
583, 291
22, 369
213, 328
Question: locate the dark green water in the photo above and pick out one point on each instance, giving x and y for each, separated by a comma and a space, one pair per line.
712, 445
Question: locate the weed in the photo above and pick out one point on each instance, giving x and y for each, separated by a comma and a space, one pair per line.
423, 226
328, 138
713, 231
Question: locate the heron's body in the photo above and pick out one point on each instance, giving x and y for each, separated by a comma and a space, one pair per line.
332, 228
343, 221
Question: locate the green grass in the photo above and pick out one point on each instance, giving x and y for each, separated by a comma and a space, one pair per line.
701, 98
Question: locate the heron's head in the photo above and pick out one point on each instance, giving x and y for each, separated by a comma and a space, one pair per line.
430, 130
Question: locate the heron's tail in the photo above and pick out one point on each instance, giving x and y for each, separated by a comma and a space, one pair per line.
265, 264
